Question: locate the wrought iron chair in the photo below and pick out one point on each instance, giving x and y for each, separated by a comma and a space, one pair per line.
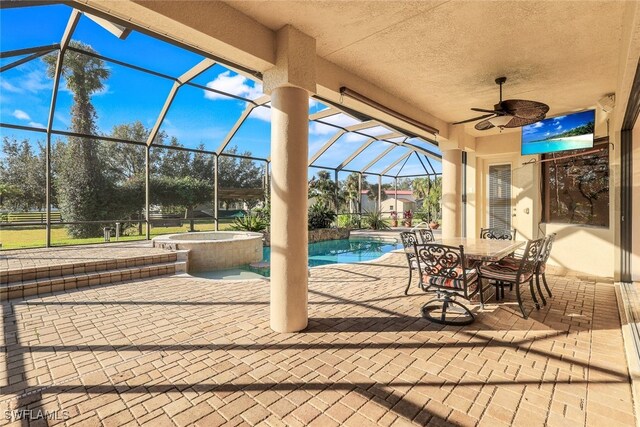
442, 271
426, 235
542, 266
498, 233
409, 240
516, 271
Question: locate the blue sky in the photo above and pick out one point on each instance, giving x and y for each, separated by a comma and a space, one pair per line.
555, 125
196, 116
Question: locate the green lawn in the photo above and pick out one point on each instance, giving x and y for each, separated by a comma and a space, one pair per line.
33, 237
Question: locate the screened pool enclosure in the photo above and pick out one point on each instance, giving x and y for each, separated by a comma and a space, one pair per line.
104, 125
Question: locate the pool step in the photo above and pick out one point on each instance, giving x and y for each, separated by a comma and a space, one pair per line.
21, 283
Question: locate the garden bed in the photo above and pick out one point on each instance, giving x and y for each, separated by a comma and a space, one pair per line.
319, 235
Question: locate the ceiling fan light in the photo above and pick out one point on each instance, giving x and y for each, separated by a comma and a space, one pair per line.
500, 121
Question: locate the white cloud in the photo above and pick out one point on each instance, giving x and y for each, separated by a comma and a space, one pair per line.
537, 125
234, 84
261, 113
36, 81
36, 125
21, 115
316, 128
4, 84
354, 137
62, 118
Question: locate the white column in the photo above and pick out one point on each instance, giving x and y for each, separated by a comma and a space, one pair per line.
451, 193
289, 254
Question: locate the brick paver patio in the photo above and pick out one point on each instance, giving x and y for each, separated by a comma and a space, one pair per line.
30, 258
182, 351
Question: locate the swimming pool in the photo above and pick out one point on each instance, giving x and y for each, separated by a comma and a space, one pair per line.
320, 253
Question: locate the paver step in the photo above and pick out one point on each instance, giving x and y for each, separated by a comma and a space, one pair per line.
74, 281
29, 274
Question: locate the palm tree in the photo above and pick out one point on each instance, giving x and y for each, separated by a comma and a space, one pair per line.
421, 187
81, 184
373, 193
351, 192
324, 190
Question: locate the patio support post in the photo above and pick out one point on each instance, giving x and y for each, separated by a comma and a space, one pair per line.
451, 192
360, 196
380, 193
215, 192
335, 177
395, 186
289, 83
147, 190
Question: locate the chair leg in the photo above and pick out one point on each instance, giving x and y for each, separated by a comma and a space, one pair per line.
533, 294
481, 293
524, 314
443, 315
544, 301
495, 285
406, 291
544, 280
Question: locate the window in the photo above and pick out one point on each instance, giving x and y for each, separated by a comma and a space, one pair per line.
576, 189
390, 207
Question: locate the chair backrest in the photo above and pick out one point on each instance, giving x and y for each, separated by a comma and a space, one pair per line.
530, 259
445, 266
426, 235
546, 249
409, 240
498, 233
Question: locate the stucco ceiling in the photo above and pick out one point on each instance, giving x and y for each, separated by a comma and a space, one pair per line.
443, 56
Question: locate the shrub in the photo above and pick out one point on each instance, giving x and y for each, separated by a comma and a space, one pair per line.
374, 221
348, 221
250, 222
320, 216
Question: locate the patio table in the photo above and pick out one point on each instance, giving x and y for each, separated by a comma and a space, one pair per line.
485, 250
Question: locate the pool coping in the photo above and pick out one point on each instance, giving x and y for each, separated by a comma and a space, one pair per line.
268, 279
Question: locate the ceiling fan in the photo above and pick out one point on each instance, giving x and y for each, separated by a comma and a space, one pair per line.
510, 113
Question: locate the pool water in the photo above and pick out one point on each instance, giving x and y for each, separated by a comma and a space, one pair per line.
320, 253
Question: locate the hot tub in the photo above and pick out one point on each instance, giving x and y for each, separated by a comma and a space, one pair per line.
213, 250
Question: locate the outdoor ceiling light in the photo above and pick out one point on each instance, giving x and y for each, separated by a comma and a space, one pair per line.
371, 103
500, 121
119, 31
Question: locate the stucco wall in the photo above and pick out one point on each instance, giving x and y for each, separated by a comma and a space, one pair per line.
635, 256
585, 249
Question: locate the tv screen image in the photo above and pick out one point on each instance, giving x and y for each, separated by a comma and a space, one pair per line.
570, 132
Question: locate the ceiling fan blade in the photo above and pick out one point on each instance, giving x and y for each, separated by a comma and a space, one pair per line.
517, 122
484, 125
482, 110
524, 108
474, 119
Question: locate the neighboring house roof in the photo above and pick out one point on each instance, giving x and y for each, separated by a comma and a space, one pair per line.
400, 199
391, 192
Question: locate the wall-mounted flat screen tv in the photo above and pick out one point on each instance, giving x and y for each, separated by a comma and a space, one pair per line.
570, 132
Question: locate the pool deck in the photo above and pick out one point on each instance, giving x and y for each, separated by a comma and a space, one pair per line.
178, 350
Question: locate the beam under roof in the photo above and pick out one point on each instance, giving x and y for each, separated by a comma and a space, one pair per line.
324, 113
355, 154
326, 146
364, 147
394, 164
236, 126
198, 69
378, 158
